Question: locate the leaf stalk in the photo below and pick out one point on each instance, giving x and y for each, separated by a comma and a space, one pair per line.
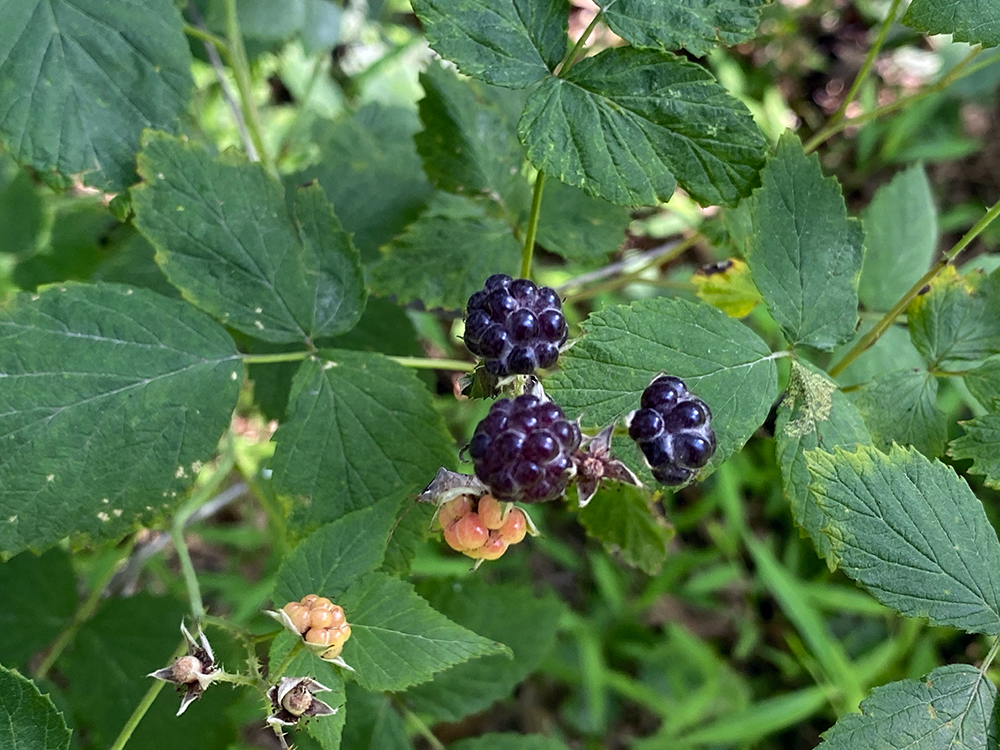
529, 236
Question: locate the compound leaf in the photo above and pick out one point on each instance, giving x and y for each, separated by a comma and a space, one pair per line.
910, 531
981, 443
952, 707
900, 238
397, 640
722, 361
805, 253
957, 320
972, 21
110, 398
372, 722
334, 556
28, 719
447, 254
620, 517
83, 78
39, 596
371, 172
224, 237
512, 43
509, 742
697, 25
528, 627
628, 125
901, 407
359, 427
814, 413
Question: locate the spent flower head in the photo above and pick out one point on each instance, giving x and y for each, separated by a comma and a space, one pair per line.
193, 672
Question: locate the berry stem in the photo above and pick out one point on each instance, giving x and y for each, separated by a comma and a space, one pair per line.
426, 363
574, 53
266, 359
529, 236
887, 320
147, 700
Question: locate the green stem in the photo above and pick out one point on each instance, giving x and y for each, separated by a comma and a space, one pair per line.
417, 723
207, 36
241, 71
140, 711
83, 614
529, 236
959, 71
887, 320
265, 359
867, 66
273, 675
199, 497
571, 57
635, 275
238, 679
425, 363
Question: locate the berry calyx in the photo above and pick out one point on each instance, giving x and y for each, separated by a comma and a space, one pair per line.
515, 326
521, 450
673, 431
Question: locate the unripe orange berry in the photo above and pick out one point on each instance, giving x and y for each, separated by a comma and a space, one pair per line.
339, 636
318, 636
475, 554
470, 531
493, 549
515, 527
454, 509
320, 618
308, 599
490, 512
337, 613
298, 614
321, 602
451, 537
333, 652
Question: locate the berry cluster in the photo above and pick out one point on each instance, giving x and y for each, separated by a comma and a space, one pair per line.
481, 530
514, 326
673, 430
522, 449
320, 622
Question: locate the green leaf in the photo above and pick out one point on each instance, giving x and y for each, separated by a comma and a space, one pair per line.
23, 214
972, 21
984, 383
628, 125
372, 722
334, 556
39, 596
509, 742
410, 532
397, 640
315, 22
697, 25
512, 43
578, 227
911, 532
111, 398
892, 351
359, 428
957, 320
814, 413
83, 78
325, 730
106, 668
901, 407
728, 288
981, 443
528, 627
223, 236
952, 707
722, 361
467, 145
28, 719
447, 254
805, 253
621, 518
900, 238
370, 169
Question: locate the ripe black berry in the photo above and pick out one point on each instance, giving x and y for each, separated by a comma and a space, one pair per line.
515, 326
522, 449
673, 430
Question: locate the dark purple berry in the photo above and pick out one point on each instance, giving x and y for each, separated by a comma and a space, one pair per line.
687, 415
671, 475
691, 451
657, 452
522, 450
497, 281
646, 424
530, 318
664, 391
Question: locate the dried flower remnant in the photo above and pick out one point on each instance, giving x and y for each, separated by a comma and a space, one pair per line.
193, 672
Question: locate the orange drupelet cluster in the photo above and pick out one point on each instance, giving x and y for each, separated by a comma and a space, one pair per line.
481, 529
320, 622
